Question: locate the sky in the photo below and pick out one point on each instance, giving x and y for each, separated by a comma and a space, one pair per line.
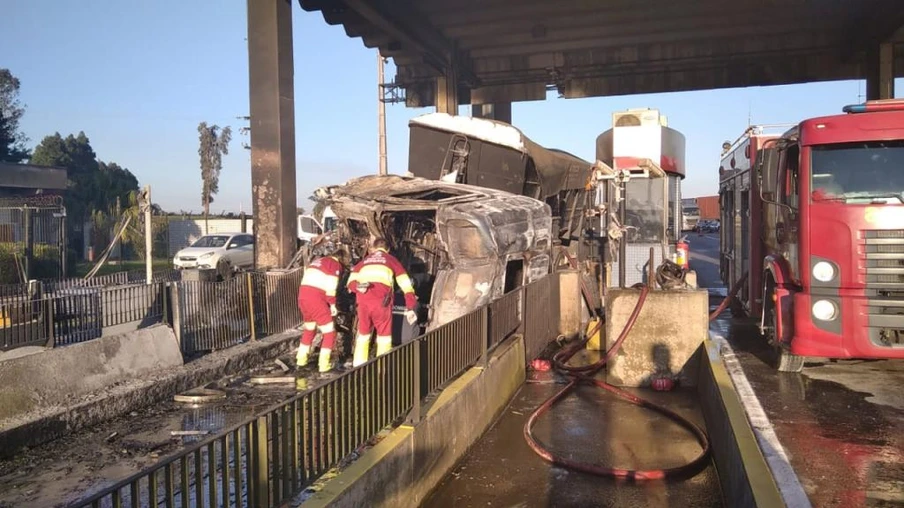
138, 77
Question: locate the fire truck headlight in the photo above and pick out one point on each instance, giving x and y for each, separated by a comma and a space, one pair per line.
824, 310
823, 271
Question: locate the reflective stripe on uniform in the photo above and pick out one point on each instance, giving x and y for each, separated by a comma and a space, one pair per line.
405, 283
380, 274
328, 328
384, 344
317, 279
310, 325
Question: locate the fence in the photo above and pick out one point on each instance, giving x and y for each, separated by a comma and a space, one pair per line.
276, 297
217, 315
270, 458
32, 237
212, 315
206, 315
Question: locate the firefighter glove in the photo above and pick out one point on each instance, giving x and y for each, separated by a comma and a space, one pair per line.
333, 310
411, 317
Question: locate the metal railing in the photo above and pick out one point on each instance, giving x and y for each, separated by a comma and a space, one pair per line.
269, 459
276, 301
139, 302
505, 315
541, 313
453, 347
23, 322
212, 315
217, 315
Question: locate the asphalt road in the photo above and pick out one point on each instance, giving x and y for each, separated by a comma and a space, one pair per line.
840, 422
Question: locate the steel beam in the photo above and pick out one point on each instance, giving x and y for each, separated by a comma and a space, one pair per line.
501, 111
272, 103
880, 72
399, 19
447, 93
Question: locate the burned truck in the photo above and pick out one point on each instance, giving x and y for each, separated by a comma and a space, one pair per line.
496, 155
462, 245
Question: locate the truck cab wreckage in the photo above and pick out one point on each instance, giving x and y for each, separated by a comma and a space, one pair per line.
462, 245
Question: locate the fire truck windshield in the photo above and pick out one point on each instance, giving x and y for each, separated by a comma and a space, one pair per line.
857, 173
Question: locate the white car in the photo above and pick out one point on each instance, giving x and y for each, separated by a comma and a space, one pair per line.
235, 250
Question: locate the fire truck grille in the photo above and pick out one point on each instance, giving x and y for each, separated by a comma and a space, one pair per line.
886, 322
884, 258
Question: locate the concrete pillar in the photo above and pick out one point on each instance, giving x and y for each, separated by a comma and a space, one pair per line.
501, 111
272, 91
880, 72
447, 93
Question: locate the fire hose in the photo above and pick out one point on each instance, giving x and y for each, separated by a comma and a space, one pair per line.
584, 375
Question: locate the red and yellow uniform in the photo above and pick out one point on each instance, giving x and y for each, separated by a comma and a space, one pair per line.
372, 281
317, 303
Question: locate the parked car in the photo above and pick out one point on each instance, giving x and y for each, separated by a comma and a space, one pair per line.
707, 226
227, 252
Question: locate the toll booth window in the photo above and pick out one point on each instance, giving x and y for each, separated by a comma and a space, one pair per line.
645, 212
858, 172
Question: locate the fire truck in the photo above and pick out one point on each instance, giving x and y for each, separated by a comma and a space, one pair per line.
815, 218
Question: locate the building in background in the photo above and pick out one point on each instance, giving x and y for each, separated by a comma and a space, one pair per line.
708, 207
26, 180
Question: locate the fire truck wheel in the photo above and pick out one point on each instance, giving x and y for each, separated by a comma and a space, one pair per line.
785, 361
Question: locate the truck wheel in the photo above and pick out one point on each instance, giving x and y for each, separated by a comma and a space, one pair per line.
785, 361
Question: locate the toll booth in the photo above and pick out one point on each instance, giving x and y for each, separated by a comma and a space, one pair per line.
645, 202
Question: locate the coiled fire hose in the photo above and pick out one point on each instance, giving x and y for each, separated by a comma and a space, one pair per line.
584, 375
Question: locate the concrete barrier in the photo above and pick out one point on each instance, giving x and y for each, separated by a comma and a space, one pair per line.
664, 340
744, 475
49, 394
62, 375
403, 468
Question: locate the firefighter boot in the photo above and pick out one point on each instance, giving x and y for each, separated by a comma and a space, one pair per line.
301, 358
362, 350
384, 345
324, 363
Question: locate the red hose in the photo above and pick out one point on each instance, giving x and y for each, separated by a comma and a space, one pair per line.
585, 373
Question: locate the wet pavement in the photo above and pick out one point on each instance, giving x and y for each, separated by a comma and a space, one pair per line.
75, 466
840, 422
589, 425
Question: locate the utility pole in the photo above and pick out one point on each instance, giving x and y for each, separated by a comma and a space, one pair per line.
381, 113
148, 236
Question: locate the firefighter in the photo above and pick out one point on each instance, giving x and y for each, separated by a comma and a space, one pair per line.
317, 302
372, 281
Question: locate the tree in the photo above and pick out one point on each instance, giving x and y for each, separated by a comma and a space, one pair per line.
12, 141
212, 147
96, 185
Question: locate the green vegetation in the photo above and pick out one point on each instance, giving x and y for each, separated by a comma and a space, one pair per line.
123, 266
45, 265
12, 140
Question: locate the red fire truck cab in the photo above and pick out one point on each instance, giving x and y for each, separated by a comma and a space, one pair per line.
815, 217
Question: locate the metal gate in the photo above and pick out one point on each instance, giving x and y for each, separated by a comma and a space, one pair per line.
32, 238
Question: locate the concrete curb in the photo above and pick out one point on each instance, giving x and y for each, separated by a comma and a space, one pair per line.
757, 424
53, 422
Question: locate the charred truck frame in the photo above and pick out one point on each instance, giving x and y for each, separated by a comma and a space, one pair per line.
462, 245
641, 159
